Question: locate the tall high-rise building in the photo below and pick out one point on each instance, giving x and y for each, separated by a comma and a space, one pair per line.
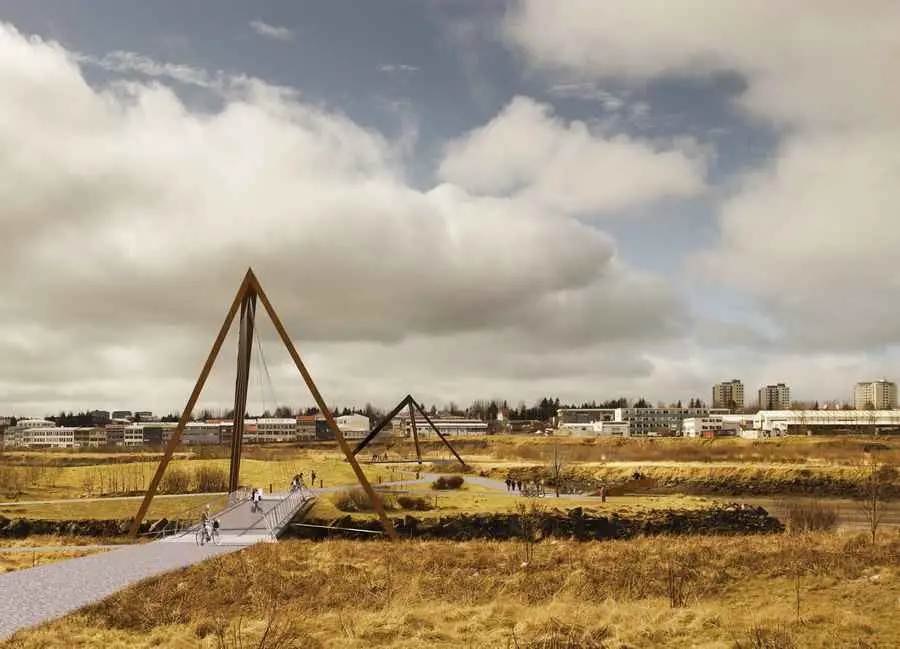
876, 395
775, 397
728, 394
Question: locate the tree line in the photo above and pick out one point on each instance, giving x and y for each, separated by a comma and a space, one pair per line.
485, 409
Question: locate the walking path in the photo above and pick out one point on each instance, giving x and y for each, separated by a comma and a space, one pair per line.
35, 595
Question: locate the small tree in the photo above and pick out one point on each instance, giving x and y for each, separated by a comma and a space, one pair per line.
556, 466
876, 483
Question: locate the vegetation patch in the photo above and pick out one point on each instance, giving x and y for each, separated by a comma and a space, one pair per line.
446, 483
480, 594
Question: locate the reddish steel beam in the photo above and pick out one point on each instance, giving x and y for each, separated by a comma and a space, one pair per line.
323, 408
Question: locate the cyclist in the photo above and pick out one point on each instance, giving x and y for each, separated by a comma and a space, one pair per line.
204, 524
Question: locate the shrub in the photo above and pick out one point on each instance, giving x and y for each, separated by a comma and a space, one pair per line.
414, 504
211, 479
809, 516
357, 500
444, 483
175, 481
760, 637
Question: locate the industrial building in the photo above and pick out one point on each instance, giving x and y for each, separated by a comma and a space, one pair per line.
448, 426
353, 426
810, 422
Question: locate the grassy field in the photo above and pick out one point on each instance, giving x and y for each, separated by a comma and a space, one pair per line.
474, 499
46, 476
711, 593
10, 561
24, 556
113, 509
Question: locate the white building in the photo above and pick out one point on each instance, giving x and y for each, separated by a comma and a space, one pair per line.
780, 422
661, 421
267, 430
876, 395
353, 426
576, 416
448, 426
595, 429
48, 437
200, 433
14, 435
701, 427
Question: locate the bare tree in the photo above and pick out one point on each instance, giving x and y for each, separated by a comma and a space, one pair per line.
556, 466
876, 484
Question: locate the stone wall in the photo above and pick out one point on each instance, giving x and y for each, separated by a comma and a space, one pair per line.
572, 524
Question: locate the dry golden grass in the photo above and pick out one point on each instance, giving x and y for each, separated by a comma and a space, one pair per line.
798, 449
10, 561
112, 509
475, 499
106, 477
617, 594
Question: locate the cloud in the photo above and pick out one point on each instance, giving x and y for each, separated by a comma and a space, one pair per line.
397, 67
818, 63
528, 152
811, 234
273, 32
129, 219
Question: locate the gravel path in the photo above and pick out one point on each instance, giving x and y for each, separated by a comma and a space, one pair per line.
36, 595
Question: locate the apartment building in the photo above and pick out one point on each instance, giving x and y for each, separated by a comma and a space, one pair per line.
728, 394
876, 395
775, 397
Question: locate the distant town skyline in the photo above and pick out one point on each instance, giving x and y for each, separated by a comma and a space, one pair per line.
462, 200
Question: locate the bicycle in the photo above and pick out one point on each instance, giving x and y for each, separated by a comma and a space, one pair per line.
208, 534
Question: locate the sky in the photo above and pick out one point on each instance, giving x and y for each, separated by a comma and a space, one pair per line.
458, 199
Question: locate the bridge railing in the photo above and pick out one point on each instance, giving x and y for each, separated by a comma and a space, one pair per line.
276, 517
189, 518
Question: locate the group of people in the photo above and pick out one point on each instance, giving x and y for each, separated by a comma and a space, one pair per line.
526, 487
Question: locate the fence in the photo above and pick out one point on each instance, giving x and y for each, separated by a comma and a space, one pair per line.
187, 520
276, 517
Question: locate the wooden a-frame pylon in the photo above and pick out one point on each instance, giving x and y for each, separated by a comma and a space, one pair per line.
413, 405
245, 299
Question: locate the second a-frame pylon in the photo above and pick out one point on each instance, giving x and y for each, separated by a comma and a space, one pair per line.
245, 300
413, 405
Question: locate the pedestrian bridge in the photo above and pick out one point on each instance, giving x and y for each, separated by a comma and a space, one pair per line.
240, 524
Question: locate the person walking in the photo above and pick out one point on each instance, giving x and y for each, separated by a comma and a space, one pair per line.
313, 479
